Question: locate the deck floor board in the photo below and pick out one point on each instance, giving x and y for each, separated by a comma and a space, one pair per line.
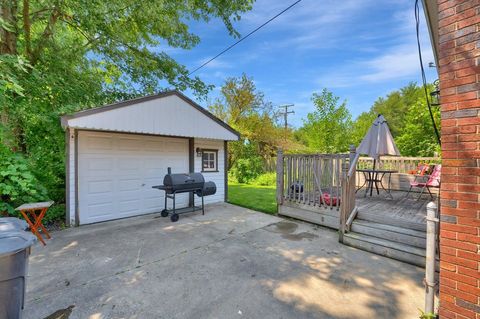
399, 207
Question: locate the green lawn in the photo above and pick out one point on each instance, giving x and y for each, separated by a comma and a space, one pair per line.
259, 198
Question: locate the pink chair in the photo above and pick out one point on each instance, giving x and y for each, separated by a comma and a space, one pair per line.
433, 181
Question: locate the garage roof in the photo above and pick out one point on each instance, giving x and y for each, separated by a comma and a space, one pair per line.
169, 113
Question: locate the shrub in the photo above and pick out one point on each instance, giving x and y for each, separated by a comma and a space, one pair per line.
245, 170
266, 179
56, 213
18, 185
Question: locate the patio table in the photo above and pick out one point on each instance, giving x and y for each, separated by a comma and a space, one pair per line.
374, 177
36, 211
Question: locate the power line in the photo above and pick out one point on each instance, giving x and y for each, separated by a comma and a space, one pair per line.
424, 78
249, 34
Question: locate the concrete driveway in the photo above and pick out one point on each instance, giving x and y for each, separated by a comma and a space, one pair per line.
230, 263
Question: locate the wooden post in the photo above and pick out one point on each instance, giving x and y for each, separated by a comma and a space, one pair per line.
280, 174
353, 152
351, 156
348, 190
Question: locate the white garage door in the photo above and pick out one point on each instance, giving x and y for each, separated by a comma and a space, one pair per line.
116, 173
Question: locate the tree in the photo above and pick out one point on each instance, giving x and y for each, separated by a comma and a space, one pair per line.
244, 108
361, 125
60, 56
417, 137
407, 115
327, 129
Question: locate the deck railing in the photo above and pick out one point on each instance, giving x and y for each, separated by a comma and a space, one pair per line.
323, 181
349, 209
306, 177
400, 164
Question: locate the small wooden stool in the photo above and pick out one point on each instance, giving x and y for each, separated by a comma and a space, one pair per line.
37, 211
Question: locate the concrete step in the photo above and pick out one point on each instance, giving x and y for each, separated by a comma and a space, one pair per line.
387, 248
392, 233
388, 220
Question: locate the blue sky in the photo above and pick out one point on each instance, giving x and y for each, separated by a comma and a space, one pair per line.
359, 49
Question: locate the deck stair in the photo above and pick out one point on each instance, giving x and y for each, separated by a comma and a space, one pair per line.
399, 239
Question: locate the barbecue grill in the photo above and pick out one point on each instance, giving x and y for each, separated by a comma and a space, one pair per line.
193, 183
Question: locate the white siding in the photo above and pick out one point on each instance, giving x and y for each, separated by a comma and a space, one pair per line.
217, 177
169, 115
70, 161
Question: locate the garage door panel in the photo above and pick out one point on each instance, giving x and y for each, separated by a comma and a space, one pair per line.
98, 212
125, 184
117, 171
95, 143
100, 186
152, 203
100, 164
129, 144
128, 207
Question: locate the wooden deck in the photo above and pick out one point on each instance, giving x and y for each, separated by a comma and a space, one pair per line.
377, 207
309, 186
399, 207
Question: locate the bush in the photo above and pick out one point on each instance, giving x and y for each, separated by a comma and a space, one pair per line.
266, 179
245, 170
18, 185
56, 213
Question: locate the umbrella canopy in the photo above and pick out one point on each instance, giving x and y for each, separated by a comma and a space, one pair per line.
378, 141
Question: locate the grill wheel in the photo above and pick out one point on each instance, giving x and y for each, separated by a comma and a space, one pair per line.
164, 213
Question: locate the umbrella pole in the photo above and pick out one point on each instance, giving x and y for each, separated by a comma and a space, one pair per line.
373, 177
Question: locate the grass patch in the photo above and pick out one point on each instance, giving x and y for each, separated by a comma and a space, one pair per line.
259, 198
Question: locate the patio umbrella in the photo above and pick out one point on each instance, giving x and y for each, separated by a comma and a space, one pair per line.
378, 141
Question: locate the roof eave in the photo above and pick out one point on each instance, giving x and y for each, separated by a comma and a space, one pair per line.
430, 9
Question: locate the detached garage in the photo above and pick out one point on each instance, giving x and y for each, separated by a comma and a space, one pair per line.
116, 153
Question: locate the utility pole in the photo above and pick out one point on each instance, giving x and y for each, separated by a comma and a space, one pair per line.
285, 116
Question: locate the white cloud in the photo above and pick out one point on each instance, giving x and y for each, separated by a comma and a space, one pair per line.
395, 59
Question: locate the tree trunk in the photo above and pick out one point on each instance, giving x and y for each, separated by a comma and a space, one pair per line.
8, 38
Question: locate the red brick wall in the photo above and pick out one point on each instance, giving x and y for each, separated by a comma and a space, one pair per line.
459, 68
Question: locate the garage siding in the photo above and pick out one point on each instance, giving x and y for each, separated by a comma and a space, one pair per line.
70, 161
217, 177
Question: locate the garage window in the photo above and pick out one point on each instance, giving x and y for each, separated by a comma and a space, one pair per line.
209, 160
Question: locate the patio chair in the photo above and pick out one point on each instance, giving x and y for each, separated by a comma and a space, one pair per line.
422, 169
433, 181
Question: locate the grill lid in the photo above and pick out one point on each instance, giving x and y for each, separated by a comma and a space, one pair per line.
184, 181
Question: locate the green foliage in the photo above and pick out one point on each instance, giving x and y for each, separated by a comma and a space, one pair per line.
424, 315
417, 137
244, 170
244, 108
55, 213
266, 179
259, 198
361, 125
18, 184
327, 129
408, 118
65, 56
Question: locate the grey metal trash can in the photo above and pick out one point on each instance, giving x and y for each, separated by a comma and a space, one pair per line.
15, 248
